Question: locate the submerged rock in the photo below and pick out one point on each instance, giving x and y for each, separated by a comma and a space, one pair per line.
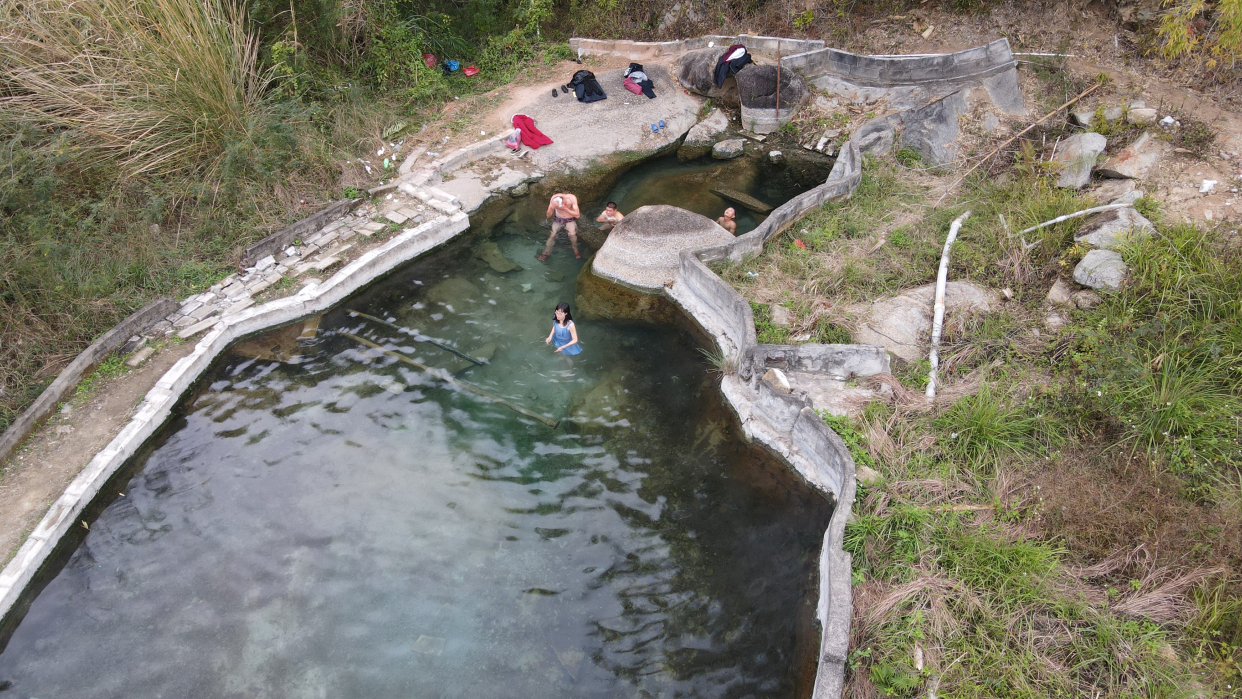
456, 292
595, 297
490, 253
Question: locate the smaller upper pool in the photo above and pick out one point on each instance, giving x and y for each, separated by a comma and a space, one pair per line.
689, 185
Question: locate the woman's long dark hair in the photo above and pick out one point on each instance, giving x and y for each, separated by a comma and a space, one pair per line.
562, 306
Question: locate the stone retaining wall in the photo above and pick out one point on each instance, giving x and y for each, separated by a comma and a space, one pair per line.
639, 50
66, 381
157, 406
889, 71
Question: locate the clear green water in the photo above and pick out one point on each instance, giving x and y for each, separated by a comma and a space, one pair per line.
344, 526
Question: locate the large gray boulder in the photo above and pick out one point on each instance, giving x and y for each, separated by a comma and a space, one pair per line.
876, 137
902, 324
756, 87
696, 69
1137, 159
1110, 229
641, 252
1102, 270
703, 135
1076, 156
932, 131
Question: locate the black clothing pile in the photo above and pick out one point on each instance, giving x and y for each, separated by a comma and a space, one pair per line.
636, 75
730, 62
586, 87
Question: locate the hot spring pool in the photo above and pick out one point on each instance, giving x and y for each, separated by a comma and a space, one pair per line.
338, 524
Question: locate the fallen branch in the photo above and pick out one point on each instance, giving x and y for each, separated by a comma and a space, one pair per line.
1015, 137
443, 376
938, 320
1076, 214
419, 337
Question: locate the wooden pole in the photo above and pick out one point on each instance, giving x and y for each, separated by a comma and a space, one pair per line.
443, 376
419, 337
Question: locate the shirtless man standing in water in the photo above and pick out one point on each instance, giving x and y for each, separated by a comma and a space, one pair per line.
726, 222
564, 212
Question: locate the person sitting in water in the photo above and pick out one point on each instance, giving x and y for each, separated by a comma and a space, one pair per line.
726, 222
563, 208
610, 217
564, 331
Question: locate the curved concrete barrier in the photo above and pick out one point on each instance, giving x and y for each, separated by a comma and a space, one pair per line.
908, 81
892, 70
786, 422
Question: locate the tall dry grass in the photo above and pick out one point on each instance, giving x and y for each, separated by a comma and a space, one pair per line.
154, 86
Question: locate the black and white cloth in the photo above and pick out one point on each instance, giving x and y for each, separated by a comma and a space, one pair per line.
637, 75
730, 62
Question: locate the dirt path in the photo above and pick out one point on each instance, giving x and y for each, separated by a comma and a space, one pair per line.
39, 472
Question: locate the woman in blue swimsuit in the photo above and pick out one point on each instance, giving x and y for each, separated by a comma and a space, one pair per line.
564, 332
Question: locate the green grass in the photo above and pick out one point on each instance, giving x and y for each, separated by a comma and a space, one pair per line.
766, 332
983, 428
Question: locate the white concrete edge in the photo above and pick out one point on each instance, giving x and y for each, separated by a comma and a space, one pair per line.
158, 404
808, 445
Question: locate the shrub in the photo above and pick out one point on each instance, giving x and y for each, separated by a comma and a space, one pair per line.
153, 85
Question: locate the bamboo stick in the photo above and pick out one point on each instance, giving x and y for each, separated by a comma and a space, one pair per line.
938, 313
443, 376
1015, 137
419, 337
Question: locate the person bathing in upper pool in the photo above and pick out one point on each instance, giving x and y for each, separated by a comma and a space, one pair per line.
563, 208
564, 332
610, 217
726, 222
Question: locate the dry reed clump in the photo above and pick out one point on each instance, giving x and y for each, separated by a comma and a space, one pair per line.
155, 86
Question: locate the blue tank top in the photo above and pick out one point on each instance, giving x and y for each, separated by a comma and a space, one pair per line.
561, 337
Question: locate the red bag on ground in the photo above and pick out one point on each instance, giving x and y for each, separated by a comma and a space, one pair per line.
632, 86
470, 71
429, 59
531, 136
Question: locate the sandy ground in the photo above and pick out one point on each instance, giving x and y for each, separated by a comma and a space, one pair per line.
38, 472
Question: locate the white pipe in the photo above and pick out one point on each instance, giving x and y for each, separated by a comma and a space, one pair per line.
938, 318
1076, 214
